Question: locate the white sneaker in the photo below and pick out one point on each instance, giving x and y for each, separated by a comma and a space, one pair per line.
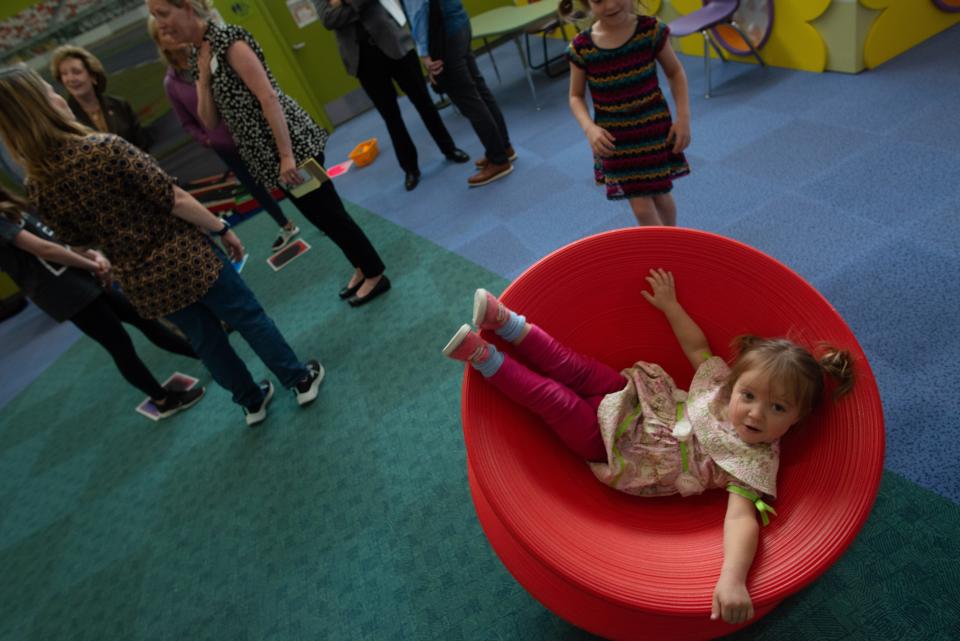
255, 416
284, 238
308, 389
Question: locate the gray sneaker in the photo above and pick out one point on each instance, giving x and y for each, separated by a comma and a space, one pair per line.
308, 388
257, 414
286, 235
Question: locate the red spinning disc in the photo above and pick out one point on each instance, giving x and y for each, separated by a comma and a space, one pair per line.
630, 568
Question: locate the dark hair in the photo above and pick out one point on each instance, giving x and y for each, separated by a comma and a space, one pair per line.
801, 374
11, 205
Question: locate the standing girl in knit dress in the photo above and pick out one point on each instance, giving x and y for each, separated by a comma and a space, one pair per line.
637, 147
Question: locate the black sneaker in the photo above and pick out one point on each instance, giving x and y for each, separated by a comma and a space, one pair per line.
178, 401
309, 387
257, 414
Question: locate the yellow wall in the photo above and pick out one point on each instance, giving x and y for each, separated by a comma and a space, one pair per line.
794, 42
902, 25
835, 35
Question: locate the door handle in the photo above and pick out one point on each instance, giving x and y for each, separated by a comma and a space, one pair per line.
298, 46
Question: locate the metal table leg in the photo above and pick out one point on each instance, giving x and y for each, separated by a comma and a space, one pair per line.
526, 70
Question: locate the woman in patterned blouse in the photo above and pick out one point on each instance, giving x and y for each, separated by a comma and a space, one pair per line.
274, 134
98, 189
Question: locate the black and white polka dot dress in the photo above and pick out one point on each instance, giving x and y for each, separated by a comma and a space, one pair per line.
240, 109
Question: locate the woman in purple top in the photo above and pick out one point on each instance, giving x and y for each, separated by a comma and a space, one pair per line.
182, 93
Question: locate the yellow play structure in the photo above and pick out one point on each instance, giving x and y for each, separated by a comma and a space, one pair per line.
823, 35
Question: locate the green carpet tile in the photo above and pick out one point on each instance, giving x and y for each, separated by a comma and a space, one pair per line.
347, 520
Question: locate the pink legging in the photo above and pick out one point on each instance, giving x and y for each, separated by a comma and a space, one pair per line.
566, 392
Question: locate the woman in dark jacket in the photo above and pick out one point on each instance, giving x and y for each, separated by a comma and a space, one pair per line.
82, 74
58, 280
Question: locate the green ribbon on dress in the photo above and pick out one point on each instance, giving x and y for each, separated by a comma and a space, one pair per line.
684, 466
762, 507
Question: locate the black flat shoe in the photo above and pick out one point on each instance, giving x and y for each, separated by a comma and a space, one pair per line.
348, 291
382, 285
412, 180
458, 156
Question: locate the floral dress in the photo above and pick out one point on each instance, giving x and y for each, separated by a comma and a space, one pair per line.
661, 440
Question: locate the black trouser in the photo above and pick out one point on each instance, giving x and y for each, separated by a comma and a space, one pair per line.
466, 88
323, 208
260, 193
376, 73
102, 321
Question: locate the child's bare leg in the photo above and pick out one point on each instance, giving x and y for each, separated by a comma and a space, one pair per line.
666, 208
645, 211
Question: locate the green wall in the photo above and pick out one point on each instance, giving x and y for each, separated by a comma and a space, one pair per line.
305, 60
13, 7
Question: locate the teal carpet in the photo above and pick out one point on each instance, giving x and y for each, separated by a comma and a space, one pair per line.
347, 520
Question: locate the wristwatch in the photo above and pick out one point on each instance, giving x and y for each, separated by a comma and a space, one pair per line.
226, 228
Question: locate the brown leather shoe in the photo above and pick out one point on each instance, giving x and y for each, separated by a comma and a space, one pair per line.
489, 173
483, 162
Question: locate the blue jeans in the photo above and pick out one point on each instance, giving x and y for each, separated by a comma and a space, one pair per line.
229, 299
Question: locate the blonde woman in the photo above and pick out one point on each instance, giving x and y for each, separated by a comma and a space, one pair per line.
182, 94
274, 134
81, 73
98, 189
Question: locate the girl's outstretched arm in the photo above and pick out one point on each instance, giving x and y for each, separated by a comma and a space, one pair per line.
679, 133
692, 340
731, 601
601, 140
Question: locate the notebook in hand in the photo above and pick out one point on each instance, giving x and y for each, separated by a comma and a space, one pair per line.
313, 175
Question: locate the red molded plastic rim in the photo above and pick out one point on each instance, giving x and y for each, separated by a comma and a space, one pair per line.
582, 548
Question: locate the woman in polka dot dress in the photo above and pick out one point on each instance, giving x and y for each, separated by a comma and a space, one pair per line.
274, 134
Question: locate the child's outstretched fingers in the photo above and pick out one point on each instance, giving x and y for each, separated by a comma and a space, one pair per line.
664, 290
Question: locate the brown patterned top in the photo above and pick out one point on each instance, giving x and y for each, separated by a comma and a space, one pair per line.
109, 194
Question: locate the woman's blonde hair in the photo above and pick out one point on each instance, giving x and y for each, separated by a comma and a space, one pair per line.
90, 62
11, 205
203, 8
800, 375
164, 52
30, 126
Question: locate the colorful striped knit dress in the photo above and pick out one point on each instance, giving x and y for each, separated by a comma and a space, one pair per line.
628, 103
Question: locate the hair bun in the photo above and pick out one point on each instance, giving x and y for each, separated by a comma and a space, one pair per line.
838, 365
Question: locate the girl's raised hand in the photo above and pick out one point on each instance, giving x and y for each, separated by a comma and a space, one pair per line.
664, 291
601, 141
679, 135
